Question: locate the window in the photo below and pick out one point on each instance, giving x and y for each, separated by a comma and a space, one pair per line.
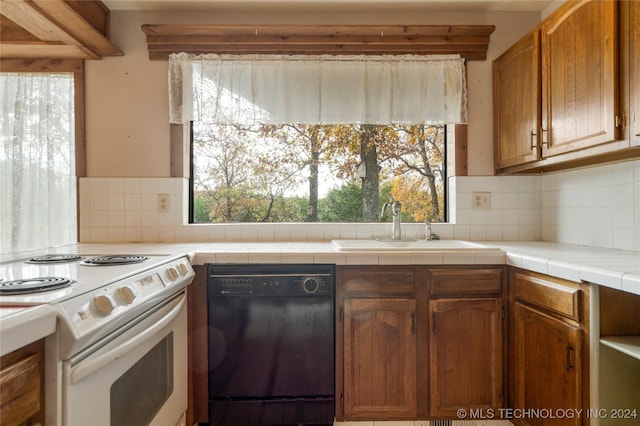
37, 161
317, 139
317, 173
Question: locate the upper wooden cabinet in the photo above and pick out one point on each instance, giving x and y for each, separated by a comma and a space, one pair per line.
632, 19
55, 29
516, 100
579, 77
557, 91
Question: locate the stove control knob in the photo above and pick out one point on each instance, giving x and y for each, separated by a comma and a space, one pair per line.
126, 294
103, 304
182, 268
172, 273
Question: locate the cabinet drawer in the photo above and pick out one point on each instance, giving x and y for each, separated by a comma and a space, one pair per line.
20, 390
372, 282
465, 281
553, 296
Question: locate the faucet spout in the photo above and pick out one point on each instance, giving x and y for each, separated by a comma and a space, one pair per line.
396, 212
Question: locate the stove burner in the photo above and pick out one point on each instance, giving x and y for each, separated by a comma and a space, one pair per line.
33, 285
54, 258
123, 259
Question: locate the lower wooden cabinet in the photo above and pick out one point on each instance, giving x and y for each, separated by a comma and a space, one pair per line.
22, 386
415, 342
465, 356
465, 341
379, 358
549, 349
547, 366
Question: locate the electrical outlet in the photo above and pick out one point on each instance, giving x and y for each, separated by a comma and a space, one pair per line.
481, 201
163, 203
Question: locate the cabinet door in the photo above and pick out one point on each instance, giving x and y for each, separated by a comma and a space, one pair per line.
634, 61
579, 76
547, 365
465, 352
516, 100
379, 358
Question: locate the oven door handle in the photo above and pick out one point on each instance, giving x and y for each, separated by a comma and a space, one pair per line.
90, 366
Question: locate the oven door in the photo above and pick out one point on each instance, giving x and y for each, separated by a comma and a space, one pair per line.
136, 377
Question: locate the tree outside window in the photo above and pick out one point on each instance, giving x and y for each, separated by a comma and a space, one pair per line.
317, 173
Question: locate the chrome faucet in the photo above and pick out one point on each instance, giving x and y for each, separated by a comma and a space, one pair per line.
396, 212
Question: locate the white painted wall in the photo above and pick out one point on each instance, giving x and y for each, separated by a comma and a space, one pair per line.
127, 112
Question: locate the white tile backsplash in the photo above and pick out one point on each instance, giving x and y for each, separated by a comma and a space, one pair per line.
596, 206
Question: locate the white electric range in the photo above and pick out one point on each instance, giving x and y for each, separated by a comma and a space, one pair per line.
121, 325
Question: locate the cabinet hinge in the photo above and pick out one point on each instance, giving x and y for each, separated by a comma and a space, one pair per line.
621, 121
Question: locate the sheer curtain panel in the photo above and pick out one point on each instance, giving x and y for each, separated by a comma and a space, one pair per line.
403, 89
37, 161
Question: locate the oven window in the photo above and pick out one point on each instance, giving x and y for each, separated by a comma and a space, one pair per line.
138, 395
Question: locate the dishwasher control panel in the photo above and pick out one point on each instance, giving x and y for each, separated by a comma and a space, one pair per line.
267, 280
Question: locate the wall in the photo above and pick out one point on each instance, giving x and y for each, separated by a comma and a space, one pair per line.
128, 155
127, 112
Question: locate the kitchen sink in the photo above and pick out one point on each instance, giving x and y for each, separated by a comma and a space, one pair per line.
408, 245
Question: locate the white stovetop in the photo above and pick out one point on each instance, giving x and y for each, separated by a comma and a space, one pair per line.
86, 278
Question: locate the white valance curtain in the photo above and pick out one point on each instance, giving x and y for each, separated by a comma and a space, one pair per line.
317, 89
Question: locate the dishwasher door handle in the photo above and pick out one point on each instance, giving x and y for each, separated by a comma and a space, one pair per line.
92, 364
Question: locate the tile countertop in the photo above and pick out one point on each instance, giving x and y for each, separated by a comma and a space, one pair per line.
612, 268
617, 269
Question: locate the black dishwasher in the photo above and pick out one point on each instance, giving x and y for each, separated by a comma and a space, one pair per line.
271, 344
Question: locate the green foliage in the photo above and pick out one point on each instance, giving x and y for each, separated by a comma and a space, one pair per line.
343, 204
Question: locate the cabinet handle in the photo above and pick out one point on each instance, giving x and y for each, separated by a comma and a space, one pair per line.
433, 323
534, 135
543, 132
413, 323
569, 349
341, 314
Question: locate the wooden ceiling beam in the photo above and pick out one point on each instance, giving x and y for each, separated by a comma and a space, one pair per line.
23, 13
53, 24
470, 41
60, 12
14, 50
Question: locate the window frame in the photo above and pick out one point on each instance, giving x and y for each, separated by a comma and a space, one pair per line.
181, 140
